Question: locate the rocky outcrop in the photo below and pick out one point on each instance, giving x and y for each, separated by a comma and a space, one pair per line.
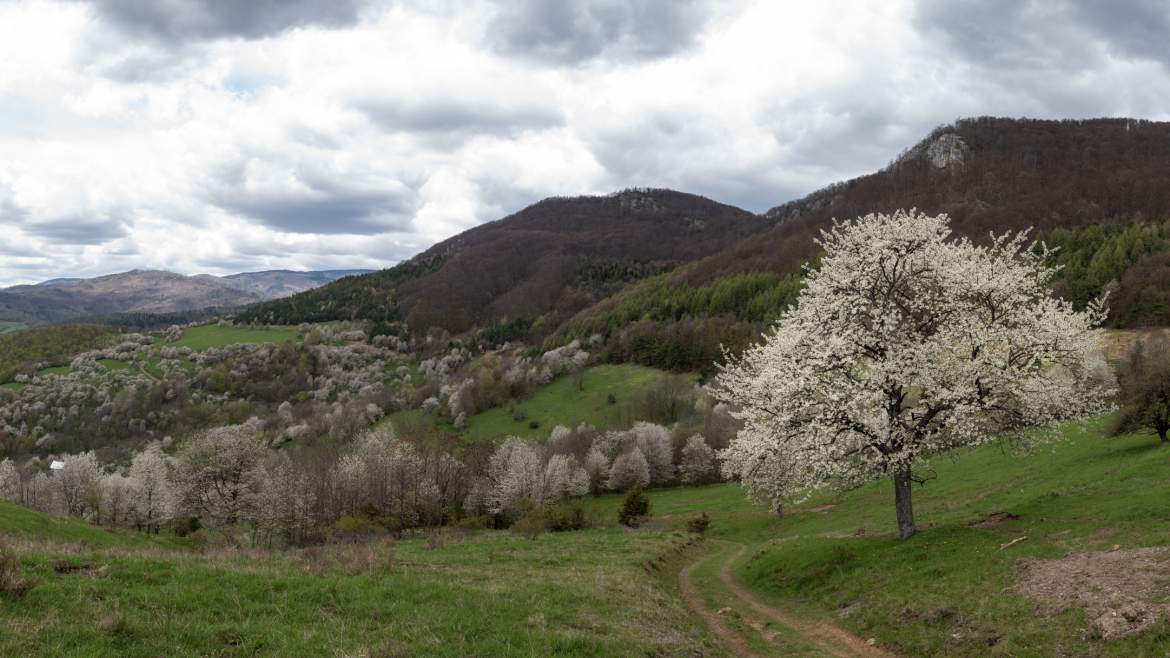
947, 150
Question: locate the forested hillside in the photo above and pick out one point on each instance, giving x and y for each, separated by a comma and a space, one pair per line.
988, 174
539, 265
669, 278
29, 351
1094, 189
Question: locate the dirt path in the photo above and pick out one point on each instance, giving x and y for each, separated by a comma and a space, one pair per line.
731, 639
826, 636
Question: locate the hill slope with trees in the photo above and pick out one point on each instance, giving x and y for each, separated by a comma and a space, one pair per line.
1095, 189
541, 264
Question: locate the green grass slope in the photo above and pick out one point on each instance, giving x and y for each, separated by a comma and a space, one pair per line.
558, 403
21, 352
22, 524
949, 591
487, 594
561, 403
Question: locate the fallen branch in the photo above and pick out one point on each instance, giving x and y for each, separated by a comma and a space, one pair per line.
1013, 542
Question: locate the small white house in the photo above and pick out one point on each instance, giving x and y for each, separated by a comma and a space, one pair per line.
56, 465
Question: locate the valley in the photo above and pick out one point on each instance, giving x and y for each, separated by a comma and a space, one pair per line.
453, 456
590, 329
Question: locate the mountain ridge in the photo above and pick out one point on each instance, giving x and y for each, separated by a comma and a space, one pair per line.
547, 261
151, 292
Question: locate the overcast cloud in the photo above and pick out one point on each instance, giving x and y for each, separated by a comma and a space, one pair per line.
222, 136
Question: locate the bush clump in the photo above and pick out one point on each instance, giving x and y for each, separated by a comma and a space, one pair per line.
531, 524
698, 525
566, 518
635, 508
12, 584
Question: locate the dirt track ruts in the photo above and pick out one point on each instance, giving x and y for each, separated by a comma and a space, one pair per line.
828, 637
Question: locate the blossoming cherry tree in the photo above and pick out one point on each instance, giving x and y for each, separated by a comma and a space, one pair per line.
903, 345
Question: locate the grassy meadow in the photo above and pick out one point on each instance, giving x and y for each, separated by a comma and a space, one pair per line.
948, 591
212, 335
562, 403
450, 594
559, 403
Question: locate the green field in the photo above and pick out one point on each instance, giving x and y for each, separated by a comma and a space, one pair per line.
115, 365
20, 524
559, 403
55, 370
488, 594
211, 335
9, 327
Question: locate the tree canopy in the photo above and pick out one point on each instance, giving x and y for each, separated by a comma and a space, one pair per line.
903, 345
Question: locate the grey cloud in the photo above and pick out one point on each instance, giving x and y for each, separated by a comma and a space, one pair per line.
1135, 28
572, 32
10, 213
321, 206
1056, 36
178, 21
458, 117
137, 65
77, 229
353, 212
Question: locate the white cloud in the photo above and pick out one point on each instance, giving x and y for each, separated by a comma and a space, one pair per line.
205, 139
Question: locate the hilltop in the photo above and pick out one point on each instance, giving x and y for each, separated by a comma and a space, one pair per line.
543, 263
988, 174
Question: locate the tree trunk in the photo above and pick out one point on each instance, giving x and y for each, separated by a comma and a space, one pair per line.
1162, 438
902, 503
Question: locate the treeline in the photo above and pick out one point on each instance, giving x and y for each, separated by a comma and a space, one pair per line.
27, 351
666, 323
156, 321
1121, 258
227, 479
365, 297
754, 297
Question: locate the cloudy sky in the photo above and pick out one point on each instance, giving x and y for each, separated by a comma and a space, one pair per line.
224, 136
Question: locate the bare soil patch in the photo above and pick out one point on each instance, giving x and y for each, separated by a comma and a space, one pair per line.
731, 640
1123, 592
993, 520
830, 638
84, 568
818, 509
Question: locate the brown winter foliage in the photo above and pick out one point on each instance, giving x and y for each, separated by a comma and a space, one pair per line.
1013, 174
553, 258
